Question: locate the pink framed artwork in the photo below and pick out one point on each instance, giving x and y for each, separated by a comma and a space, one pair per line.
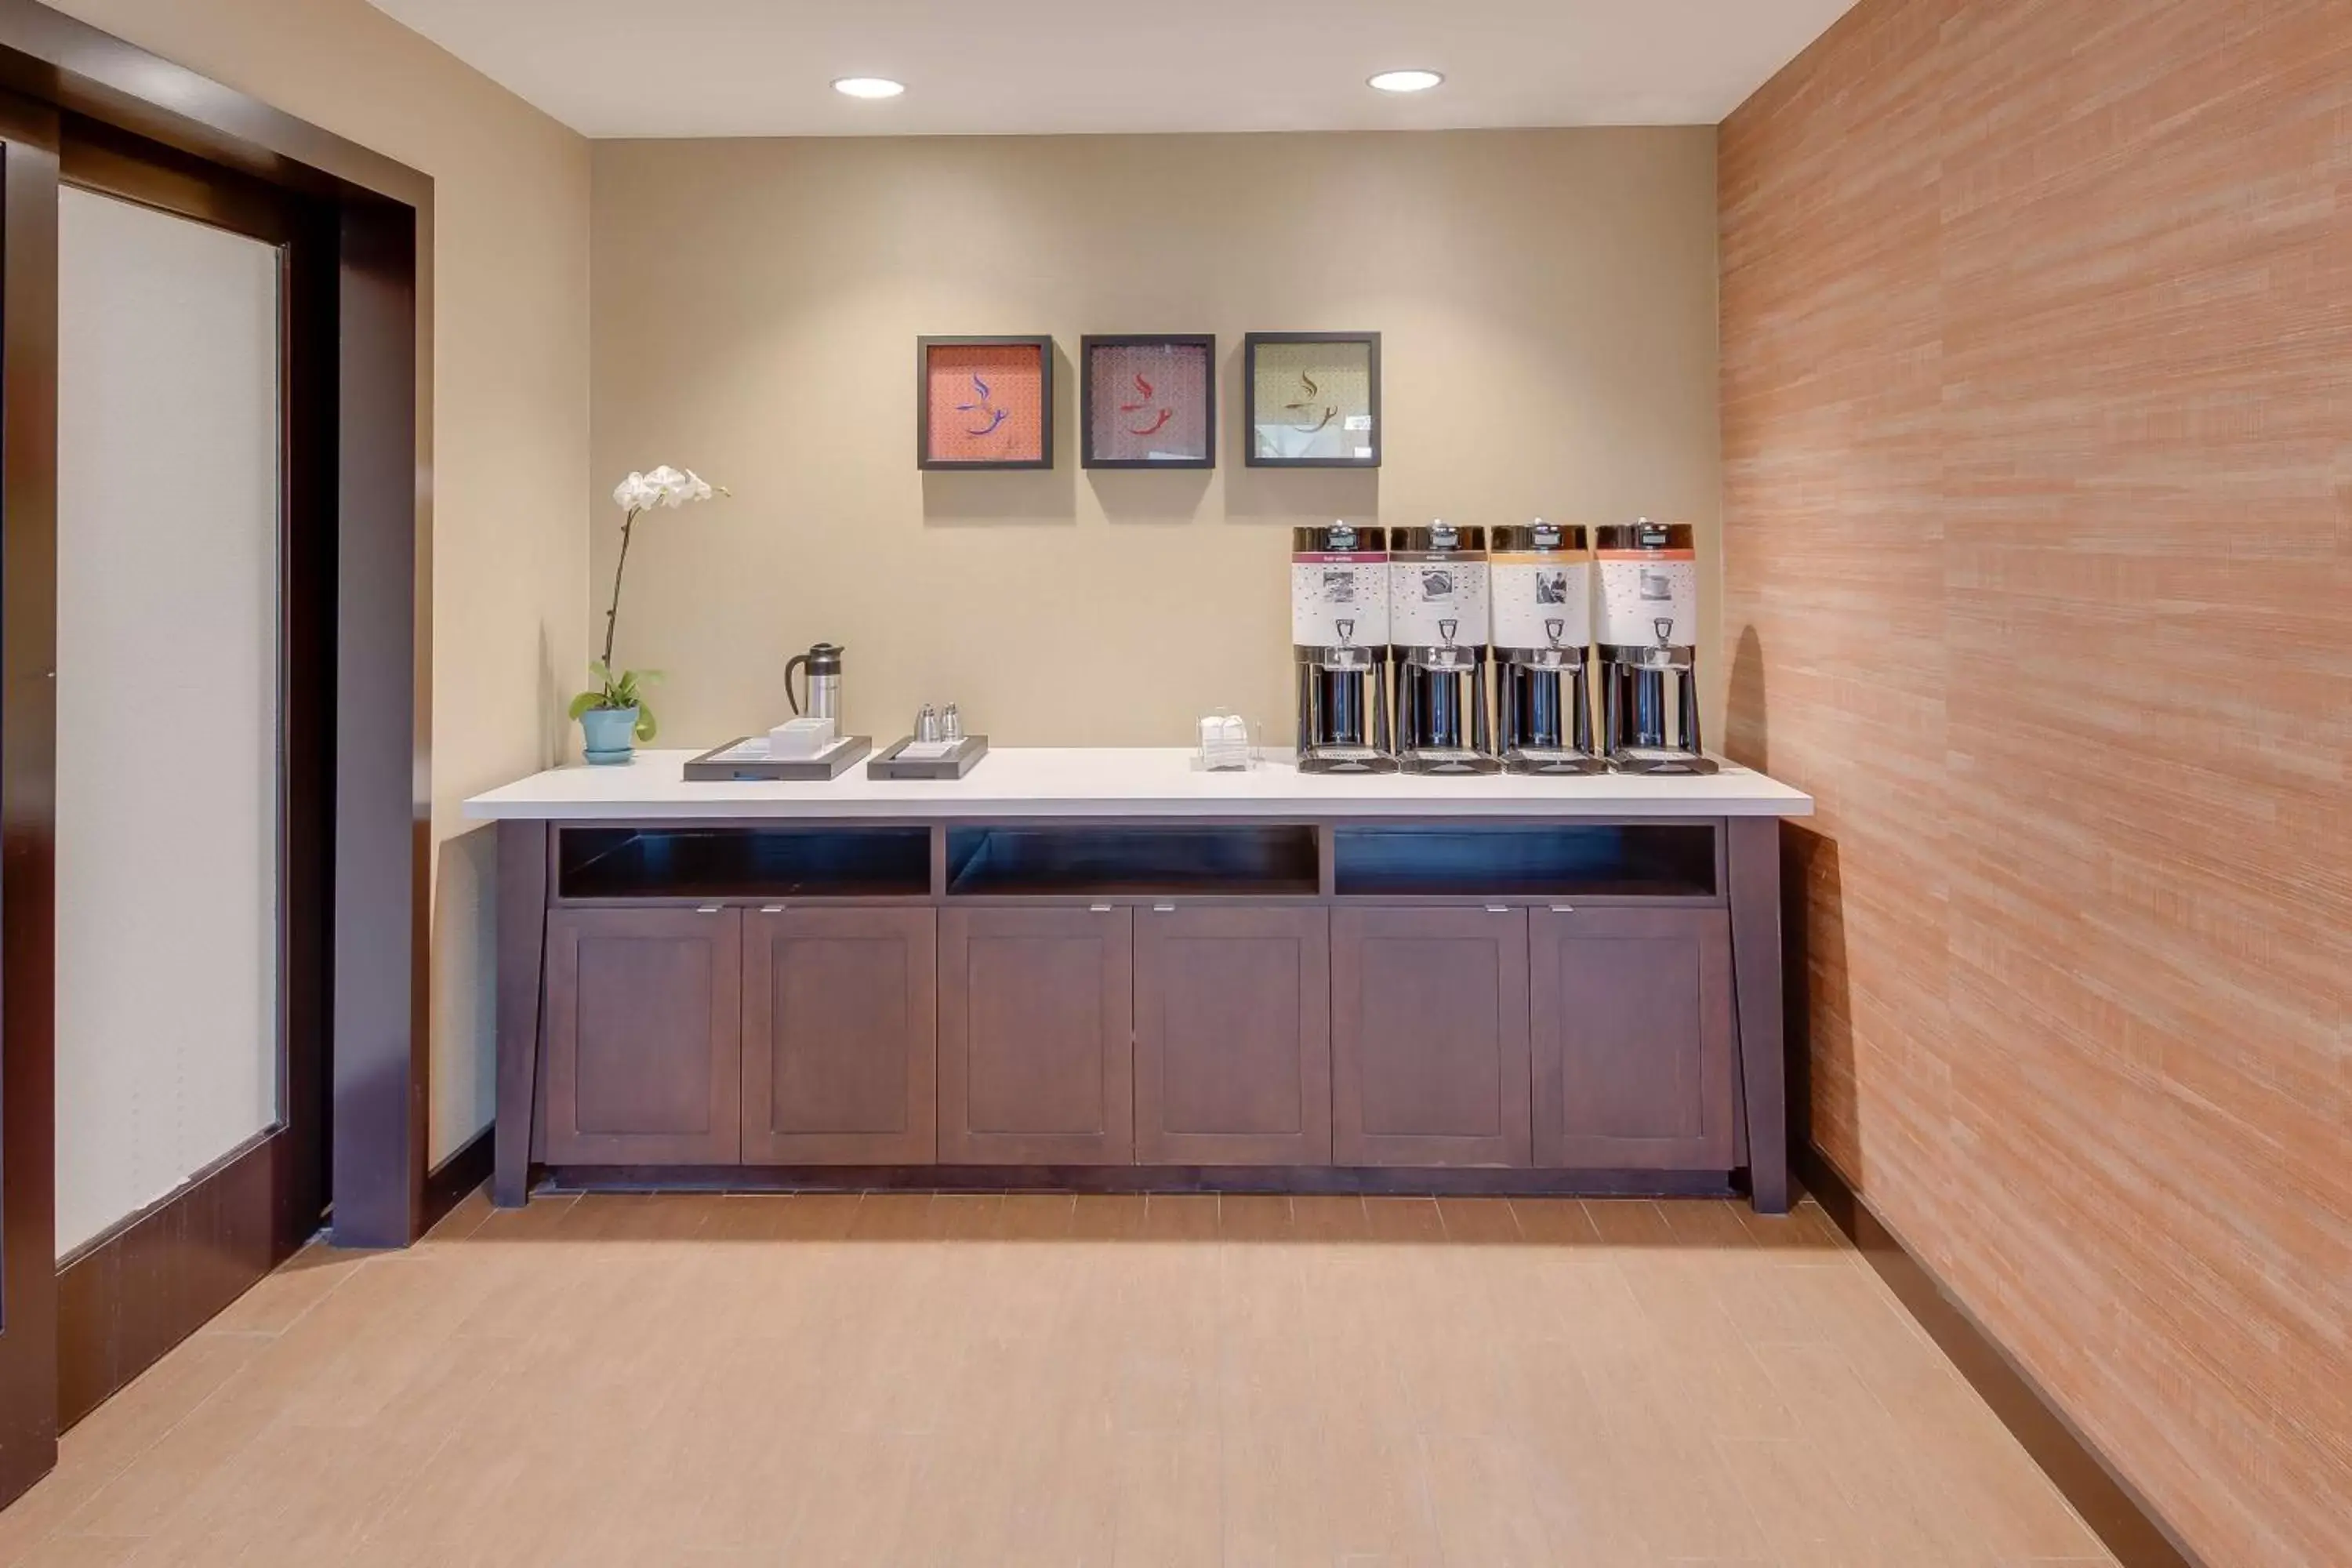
1149, 401
985, 402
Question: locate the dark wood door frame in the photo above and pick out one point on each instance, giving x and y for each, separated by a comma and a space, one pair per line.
28, 734
373, 220
132, 1292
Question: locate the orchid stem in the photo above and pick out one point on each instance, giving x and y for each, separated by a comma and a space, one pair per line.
612, 616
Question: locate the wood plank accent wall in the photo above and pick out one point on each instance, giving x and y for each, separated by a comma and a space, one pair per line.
2037, 373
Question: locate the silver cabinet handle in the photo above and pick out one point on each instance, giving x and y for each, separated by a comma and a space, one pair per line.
709, 908
1563, 909
1163, 908
1498, 909
1099, 909
772, 909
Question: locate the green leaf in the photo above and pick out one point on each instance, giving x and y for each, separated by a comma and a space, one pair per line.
644, 724
585, 701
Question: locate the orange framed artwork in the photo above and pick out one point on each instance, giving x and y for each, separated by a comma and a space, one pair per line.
985, 402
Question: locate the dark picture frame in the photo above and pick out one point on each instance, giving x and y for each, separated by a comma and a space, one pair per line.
928, 459
1205, 344
1369, 342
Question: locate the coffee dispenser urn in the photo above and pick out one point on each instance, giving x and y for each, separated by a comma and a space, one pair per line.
1438, 622
1339, 646
1541, 580
1648, 611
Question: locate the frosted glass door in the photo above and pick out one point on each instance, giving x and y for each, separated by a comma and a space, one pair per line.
168, 693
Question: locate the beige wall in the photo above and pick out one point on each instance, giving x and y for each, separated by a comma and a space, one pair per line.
1548, 302
510, 417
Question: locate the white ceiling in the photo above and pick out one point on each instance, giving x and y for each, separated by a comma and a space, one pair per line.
764, 68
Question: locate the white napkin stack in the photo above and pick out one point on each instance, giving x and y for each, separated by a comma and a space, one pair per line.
801, 738
1224, 742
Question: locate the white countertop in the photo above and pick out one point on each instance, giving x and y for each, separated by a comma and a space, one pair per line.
1124, 780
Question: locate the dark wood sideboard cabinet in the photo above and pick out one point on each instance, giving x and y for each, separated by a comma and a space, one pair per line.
1430, 1015
1513, 1005
1233, 1034
1036, 1065
840, 1036
645, 1035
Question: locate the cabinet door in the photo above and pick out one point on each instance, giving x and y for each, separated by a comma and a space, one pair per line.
643, 1015
1429, 1037
1037, 1060
1633, 1037
840, 1036
1232, 1035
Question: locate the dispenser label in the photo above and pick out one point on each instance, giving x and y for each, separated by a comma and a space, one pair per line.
1648, 598
1538, 594
1330, 588
1428, 588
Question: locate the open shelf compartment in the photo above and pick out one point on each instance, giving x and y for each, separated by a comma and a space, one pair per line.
1072, 862
800, 862
1589, 859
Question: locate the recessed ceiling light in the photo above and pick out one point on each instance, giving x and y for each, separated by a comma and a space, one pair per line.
868, 87
1407, 81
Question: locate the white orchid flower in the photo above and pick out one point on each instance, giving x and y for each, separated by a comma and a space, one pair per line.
669, 486
664, 487
633, 494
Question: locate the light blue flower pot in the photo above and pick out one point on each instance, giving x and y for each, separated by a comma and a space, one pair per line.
610, 734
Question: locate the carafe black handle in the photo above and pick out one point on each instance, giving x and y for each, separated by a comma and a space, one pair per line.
798, 661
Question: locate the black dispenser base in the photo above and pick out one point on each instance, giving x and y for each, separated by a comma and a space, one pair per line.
1545, 762
1448, 763
1664, 763
1345, 760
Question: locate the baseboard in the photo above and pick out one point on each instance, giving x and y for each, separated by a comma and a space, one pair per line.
131, 1295
1309, 1179
447, 1184
2110, 1505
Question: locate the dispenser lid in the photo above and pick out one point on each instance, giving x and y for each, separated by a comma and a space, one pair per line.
1645, 535
1338, 539
1540, 537
1437, 537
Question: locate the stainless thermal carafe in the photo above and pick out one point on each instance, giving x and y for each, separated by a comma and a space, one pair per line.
823, 701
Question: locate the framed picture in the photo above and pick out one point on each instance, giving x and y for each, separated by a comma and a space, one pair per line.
1149, 401
985, 402
1314, 399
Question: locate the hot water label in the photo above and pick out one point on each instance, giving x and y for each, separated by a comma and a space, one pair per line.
1649, 597
1429, 590
1543, 600
1330, 588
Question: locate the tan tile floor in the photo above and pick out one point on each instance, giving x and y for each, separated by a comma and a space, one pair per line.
996, 1383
